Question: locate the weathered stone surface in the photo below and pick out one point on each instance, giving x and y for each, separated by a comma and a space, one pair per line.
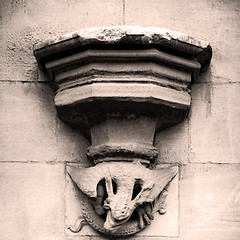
31, 201
71, 145
34, 21
109, 76
74, 210
210, 202
173, 144
214, 123
129, 187
24, 23
221, 18
122, 69
123, 138
27, 122
145, 237
48, 54
124, 129
123, 91
125, 34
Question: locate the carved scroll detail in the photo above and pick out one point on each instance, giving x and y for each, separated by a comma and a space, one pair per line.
122, 194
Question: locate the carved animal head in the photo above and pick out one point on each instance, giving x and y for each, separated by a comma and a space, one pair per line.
119, 188
124, 194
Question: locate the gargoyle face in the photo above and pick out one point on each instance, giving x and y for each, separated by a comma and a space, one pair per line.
117, 189
124, 194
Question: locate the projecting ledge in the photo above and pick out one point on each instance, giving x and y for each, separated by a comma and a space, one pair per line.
109, 67
120, 85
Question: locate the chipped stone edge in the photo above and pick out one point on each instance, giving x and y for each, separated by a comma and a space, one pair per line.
114, 34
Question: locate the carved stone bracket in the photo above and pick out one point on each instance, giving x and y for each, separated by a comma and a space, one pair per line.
119, 85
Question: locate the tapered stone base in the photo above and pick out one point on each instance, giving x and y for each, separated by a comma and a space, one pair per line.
120, 85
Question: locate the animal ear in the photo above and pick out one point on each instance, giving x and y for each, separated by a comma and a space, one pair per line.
86, 179
162, 177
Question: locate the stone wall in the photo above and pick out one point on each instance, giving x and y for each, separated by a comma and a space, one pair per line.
35, 145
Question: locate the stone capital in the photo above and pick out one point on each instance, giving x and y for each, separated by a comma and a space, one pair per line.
120, 85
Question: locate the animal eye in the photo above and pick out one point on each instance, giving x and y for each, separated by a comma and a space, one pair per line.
136, 189
101, 191
114, 185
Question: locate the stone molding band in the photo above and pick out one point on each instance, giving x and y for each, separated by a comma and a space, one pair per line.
120, 85
120, 151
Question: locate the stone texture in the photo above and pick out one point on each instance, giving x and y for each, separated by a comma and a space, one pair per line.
214, 123
127, 91
27, 122
214, 21
206, 189
31, 201
30, 130
168, 221
84, 72
145, 237
71, 145
152, 69
210, 200
33, 21
124, 34
179, 50
173, 144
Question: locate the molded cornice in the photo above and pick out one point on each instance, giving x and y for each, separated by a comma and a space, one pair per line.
120, 85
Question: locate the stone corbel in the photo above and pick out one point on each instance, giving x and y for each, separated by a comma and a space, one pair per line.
119, 85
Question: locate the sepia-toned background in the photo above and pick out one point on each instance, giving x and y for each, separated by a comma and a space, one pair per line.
35, 145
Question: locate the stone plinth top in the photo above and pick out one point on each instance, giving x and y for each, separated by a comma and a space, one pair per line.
122, 35
122, 69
